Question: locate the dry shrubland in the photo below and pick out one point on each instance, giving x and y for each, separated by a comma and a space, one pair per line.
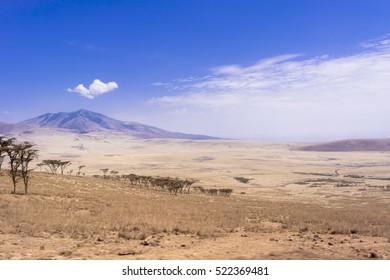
83, 208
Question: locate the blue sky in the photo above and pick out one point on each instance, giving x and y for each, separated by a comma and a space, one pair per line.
270, 70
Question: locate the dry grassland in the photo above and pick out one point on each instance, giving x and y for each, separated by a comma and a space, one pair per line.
286, 204
88, 218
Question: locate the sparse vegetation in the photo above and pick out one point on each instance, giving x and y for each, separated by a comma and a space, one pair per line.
133, 212
242, 179
64, 165
51, 164
104, 216
27, 154
104, 170
87, 208
315, 174
3, 143
79, 170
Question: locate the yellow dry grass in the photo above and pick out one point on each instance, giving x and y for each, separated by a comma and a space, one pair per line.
82, 207
293, 205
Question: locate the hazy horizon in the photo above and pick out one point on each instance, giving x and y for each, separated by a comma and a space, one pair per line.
273, 71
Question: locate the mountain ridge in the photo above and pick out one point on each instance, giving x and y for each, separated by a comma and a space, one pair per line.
85, 121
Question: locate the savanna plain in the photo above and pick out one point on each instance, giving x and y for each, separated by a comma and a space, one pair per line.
285, 203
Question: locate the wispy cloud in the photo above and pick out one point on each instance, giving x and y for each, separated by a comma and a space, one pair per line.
347, 91
95, 89
288, 78
382, 42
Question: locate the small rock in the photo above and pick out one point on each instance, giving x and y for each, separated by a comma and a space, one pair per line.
65, 253
127, 252
150, 241
99, 239
374, 255
330, 243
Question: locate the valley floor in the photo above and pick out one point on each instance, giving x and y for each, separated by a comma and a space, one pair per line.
286, 204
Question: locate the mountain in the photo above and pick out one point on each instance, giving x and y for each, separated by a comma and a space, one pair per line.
84, 121
351, 145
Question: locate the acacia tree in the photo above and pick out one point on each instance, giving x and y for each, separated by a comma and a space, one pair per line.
20, 155
63, 165
9, 147
52, 164
1, 160
4, 143
104, 170
27, 154
79, 172
113, 173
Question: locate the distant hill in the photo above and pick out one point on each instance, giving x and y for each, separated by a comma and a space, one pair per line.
10, 128
350, 145
84, 121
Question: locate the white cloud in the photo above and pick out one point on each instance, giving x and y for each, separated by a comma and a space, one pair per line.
95, 89
330, 96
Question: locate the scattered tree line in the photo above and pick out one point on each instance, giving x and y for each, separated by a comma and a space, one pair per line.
172, 185
19, 154
214, 191
53, 166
